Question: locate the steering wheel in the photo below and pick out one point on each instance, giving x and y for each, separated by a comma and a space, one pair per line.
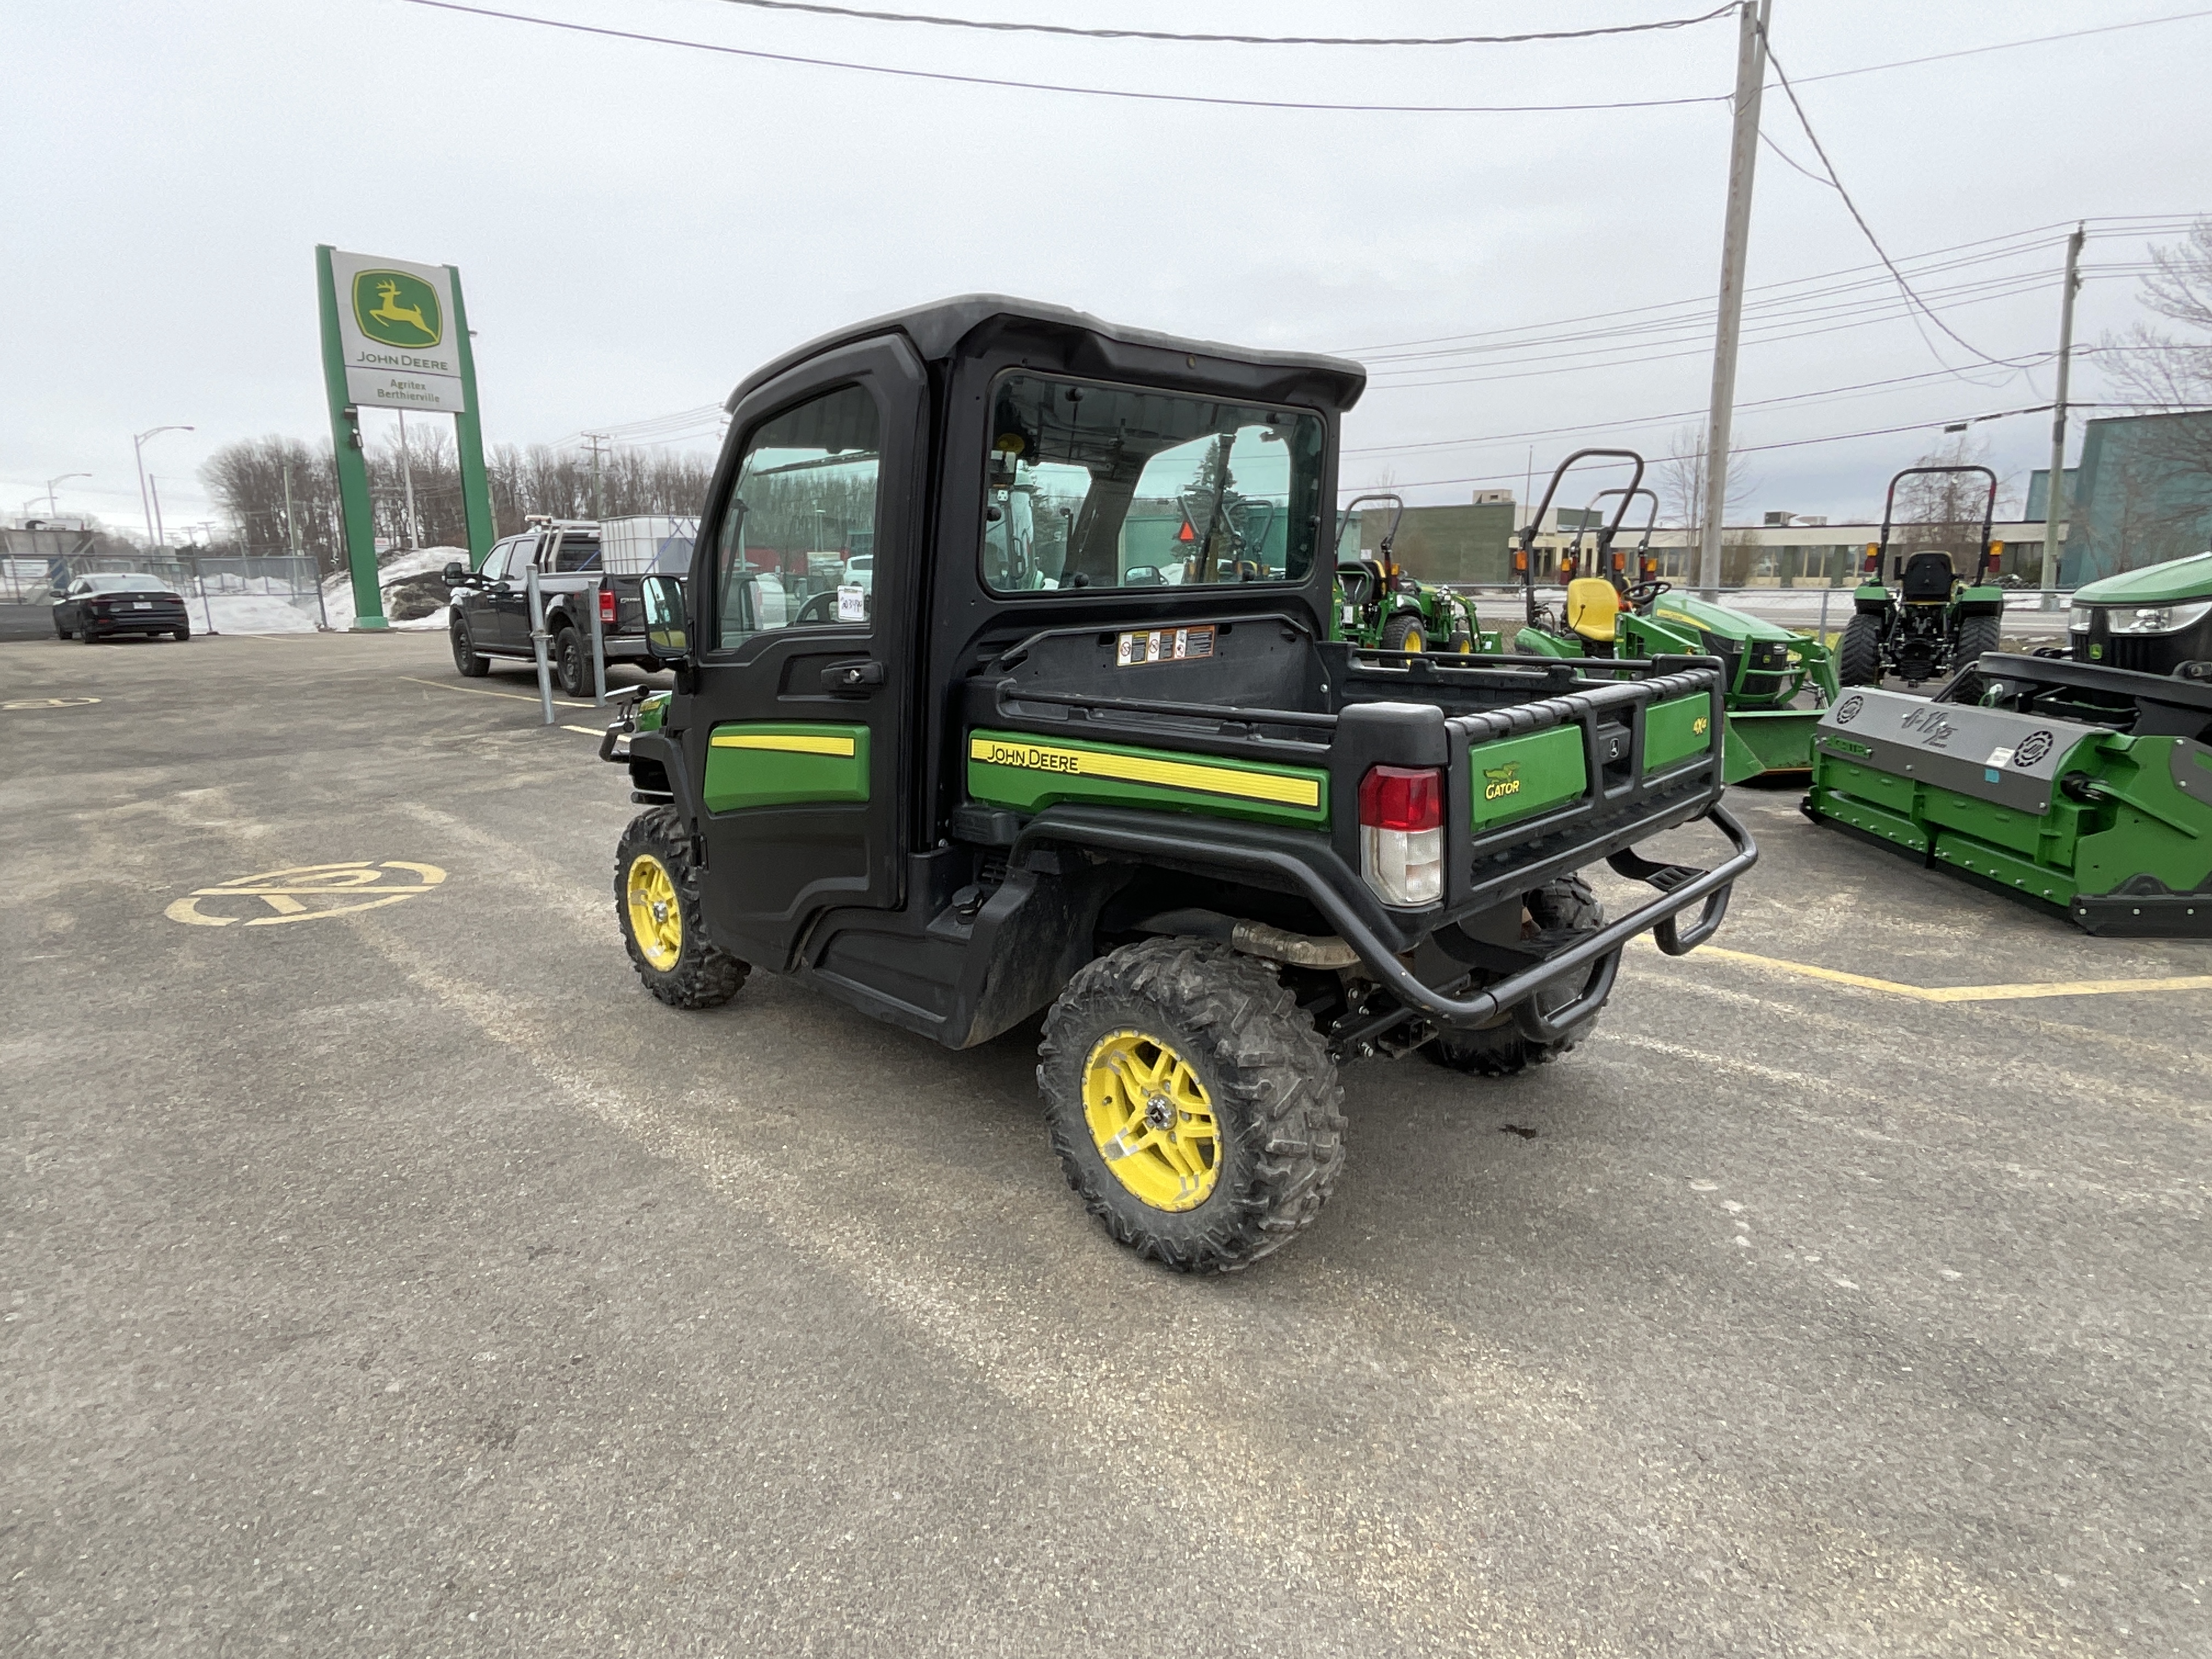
817, 608
1642, 593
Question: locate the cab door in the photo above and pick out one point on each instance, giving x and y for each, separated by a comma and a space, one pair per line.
509, 595
798, 724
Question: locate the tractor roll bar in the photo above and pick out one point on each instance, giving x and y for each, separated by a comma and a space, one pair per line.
1988, 515
1605, 536
1528, 535
1389, 536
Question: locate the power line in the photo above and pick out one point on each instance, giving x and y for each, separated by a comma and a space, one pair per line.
1859, 219
1228, 40
2000, 46
1047, 86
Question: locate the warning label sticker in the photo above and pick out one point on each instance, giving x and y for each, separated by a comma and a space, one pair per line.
1163, 645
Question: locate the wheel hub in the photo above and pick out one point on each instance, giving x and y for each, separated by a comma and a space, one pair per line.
1151, 1120
656, 921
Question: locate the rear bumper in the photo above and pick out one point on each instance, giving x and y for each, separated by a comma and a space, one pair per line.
1275, 859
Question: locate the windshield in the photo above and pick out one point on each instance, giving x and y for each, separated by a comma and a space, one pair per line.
1101, 486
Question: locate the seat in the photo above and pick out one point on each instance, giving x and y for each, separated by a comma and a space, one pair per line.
1928, 579
1593, 608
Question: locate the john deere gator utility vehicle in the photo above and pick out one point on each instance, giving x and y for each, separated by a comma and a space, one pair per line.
1935, 621
1379, 606
1766, 667
2157, 620
1226, 852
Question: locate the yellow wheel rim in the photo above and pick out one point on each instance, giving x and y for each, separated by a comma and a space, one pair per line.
656, 919
1414, 641
1466, 647
1152, 1120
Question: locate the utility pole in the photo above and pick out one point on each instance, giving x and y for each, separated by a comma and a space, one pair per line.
1743, 161
407, 482
2054, 498
593, 440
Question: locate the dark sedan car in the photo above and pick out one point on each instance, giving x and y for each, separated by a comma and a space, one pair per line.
104, 606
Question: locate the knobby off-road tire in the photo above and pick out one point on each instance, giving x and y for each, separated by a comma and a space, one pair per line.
1564, 907
1235, 1043
472, 664
1403, 632
1858, 654
1976, 634
657, 906
571, 663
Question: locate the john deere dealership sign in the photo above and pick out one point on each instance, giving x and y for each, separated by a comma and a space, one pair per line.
396, 333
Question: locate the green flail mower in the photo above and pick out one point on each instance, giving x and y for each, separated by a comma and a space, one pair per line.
2078, 786
1380, 607
1616, 606
1935, 621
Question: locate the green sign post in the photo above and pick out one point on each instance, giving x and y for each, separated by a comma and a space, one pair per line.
396, 335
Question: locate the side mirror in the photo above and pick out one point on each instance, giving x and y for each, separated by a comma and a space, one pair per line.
664, 631
455, 574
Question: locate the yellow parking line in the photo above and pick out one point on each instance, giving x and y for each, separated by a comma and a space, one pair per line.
472, 690
588, 731
2077, 988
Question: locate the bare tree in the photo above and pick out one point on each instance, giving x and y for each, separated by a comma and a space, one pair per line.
2166, 374
1680, 480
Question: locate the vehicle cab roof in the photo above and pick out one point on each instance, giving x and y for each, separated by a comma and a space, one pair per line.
972, 323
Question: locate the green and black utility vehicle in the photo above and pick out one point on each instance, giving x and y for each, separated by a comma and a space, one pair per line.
1610, 612
2157, 620
1937, 621
1383, 609
1225, 852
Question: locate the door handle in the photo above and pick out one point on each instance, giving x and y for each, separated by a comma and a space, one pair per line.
851, 679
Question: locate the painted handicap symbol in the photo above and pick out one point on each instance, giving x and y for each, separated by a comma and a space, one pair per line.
306, 892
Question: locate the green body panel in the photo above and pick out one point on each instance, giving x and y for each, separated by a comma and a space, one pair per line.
651, 711
1535, 642
2155, 584
1515, 777
742, 777
1688, 611
1768, 740
1874, 592
2140, 821
1675, 729
1028, 773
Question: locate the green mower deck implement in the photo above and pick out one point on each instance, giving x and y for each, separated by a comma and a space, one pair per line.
2082, 787
1766, 667
1380, 607
2157, 620
1935, 622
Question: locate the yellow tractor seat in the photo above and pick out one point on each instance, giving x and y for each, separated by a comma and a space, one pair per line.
1592, 608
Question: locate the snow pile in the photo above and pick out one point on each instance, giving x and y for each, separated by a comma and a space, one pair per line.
250, 613
394, 569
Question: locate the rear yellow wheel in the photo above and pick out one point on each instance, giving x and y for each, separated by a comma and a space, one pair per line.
1152, 1121
656, 919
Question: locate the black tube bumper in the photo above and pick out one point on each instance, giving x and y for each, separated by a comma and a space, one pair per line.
1268, 862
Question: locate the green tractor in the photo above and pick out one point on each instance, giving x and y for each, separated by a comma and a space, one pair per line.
1380, 607
1937, 621
1767, 667
2157, 620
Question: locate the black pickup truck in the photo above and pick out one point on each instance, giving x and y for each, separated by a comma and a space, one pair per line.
490, 606
1226, 851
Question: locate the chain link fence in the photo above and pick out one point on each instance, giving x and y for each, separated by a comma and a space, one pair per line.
248, 587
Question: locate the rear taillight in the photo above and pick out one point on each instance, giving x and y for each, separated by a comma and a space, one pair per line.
607, 606
1401, 836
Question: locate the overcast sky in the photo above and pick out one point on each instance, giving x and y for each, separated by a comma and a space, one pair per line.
638, 225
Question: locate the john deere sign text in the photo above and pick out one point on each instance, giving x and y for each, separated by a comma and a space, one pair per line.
396, 334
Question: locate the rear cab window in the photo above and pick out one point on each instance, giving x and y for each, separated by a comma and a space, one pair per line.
1091, 485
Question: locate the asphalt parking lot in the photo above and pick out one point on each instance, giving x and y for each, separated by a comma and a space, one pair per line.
388, 1274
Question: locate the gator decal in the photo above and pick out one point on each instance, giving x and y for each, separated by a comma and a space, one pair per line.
1677, 729
1514, 777
1008, 768
785, 765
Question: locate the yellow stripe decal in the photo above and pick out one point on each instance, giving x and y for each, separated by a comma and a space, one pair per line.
1140, 768
783, 742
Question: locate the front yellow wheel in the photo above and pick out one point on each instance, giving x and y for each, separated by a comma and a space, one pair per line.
1151, 1120
656, 919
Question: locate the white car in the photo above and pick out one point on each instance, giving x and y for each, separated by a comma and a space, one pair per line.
860, 572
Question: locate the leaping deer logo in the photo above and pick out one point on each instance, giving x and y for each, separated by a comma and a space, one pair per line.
389, 308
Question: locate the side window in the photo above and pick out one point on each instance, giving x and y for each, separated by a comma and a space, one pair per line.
495, 564
796, 544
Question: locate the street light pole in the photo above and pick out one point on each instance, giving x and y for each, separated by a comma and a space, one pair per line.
138, 450
51, 483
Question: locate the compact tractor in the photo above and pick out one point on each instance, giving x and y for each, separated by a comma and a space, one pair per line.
1935, 621
1766, 668
2080, 780
1379, 606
